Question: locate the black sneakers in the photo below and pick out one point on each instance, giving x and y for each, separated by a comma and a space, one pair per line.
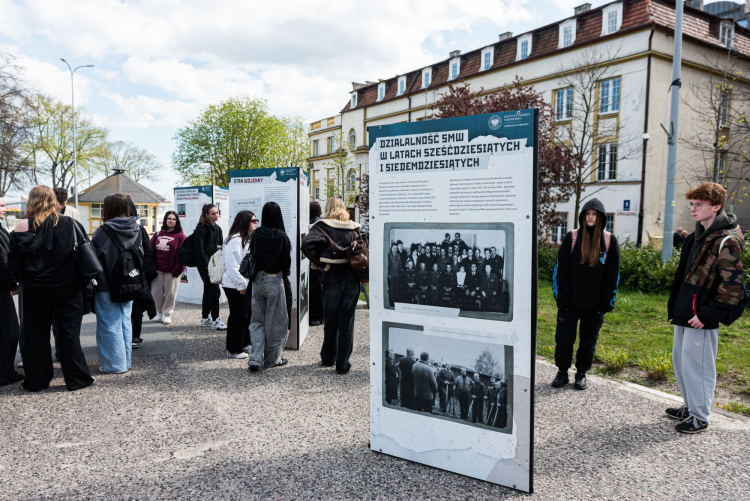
580, 383
680, 413
561, 379
692, 425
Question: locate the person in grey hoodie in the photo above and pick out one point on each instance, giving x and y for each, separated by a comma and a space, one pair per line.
114, 330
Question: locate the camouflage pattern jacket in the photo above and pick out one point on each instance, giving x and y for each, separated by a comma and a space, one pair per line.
711, 285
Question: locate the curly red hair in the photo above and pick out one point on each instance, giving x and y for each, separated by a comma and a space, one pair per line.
713, 193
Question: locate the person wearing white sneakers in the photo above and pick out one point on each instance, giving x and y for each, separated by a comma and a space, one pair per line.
236, 286
208, 239
167, 244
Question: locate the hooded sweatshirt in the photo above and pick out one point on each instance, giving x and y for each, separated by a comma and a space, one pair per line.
44, 255
271, 251
708, 284
127, 230
579, 286
7, 280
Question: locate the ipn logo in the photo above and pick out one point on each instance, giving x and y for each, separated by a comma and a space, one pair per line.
495, 122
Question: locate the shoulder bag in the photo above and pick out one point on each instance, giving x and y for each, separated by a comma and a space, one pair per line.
85, 254
247, 265
216, 267
359, 256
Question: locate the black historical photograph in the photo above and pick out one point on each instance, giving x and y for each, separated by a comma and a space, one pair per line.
446, 378
304, 299
464, 267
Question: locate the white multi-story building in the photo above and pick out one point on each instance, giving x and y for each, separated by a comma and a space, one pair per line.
630, 99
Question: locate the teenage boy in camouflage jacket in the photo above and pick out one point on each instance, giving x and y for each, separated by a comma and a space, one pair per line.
708, 285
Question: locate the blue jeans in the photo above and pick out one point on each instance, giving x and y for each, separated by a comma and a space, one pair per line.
114, 333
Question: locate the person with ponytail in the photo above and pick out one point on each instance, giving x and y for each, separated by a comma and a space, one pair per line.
584, 284
208, 239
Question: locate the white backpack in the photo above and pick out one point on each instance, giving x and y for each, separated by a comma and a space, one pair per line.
216, 267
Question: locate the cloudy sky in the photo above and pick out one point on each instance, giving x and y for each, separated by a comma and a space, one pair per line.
159, 62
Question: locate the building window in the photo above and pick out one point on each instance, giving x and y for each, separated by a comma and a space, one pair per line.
96, 210
724, 109
567, 36
352, 139
611, 19
564, 104
720, 166
610, 227
401, 85
426, 78
454, 70
607, 162
381, 92
317, 193
351, 180
559, 230
611, 22
316, 147
354, 100
487, 58
143, 214
524, 49
331, 144
726, 34
610, 96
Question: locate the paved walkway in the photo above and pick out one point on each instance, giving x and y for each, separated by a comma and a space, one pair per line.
191, 424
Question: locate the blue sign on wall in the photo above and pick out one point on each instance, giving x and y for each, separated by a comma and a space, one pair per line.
626, 205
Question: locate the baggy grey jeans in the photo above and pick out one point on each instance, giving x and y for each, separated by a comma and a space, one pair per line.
694, 360
268, 329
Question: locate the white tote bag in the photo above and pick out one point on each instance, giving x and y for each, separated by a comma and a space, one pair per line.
216, 267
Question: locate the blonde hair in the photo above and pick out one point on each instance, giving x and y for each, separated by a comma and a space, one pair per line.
335, 209
42, 204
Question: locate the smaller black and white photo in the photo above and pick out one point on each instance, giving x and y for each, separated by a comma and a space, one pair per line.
181, 210
466, 268
448, 378
304, 296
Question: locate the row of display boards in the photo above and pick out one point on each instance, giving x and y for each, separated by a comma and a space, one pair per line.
466, 184
250, 190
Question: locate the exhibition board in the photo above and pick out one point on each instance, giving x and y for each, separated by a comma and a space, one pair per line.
453, 293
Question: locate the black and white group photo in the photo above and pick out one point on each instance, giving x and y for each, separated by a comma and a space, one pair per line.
448, 378
468, 267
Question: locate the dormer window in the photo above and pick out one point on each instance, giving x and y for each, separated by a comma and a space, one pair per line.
487, 58
381, 91
726, 33
354, 100
611, 19
426, 77
567, 34
455, 68
401, 85
524, 47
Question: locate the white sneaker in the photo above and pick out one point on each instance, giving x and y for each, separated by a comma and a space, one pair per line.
206, 322
247, 348
218, 325
166, 320
158, 317
237, 355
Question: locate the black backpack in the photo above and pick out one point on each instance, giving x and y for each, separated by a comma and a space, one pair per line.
127, 281
186, 257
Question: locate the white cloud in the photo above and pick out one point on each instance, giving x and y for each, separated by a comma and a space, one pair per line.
11, 20
141, 111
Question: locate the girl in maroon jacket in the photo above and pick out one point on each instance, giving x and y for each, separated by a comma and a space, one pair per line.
167, 244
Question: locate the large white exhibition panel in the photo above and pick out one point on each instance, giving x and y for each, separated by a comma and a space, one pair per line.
457, 187
188, 203
250, 189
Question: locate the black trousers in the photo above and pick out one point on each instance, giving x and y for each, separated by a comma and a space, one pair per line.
477, 413
423, 404
9, 332
317, 312
62, 305
464, 399
407, 395
211, 296
565, 338
443, 394
341, 296
136, 318
238, 323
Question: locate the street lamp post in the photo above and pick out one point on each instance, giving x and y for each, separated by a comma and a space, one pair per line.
73, 104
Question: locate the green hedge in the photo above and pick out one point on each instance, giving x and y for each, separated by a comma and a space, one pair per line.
640, 269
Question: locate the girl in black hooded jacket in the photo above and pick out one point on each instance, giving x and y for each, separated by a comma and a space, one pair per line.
584, 284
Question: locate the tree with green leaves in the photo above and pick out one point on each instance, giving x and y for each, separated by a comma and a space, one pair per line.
239, 133
50, 143
340, 181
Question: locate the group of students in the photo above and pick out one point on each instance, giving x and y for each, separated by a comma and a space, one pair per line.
708, 289
41, 262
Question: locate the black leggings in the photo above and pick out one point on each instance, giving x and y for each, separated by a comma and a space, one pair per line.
211, 296
240, 314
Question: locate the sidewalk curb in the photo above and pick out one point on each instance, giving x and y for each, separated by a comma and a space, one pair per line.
361, 305
644, 389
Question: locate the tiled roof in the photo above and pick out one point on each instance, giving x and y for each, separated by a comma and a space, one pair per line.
698, 25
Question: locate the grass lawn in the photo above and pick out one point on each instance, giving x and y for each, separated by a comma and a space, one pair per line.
639, 327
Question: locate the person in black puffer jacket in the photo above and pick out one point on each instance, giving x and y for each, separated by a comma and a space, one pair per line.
584, 284
208, 239
272, 253
325, 245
